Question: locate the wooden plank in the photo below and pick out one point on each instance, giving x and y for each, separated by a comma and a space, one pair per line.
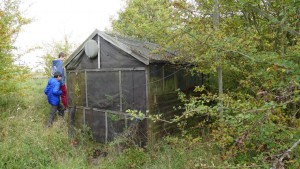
104, 110
120, 90
106, 128
108, 70
86, 92
99, 52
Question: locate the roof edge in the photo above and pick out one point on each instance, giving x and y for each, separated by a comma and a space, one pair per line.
111, 40
79, 49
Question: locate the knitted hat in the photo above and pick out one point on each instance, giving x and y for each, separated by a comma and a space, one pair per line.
56, 74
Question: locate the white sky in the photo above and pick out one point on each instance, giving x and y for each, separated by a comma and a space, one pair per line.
53, 19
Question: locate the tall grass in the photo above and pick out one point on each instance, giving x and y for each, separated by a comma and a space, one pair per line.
169, 153
26, 142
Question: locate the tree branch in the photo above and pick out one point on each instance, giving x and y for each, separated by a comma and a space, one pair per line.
278, 164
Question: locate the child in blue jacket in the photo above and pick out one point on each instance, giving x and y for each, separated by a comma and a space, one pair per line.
53, 93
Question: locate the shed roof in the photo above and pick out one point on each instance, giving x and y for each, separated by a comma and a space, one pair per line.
141, 50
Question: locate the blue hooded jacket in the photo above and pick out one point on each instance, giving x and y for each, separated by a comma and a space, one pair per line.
57, 65
53, 91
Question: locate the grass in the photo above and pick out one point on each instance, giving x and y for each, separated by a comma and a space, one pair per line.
25, 142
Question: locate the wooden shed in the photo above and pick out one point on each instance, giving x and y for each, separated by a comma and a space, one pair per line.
109, 74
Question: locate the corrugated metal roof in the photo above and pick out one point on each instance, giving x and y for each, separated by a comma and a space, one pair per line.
146, 52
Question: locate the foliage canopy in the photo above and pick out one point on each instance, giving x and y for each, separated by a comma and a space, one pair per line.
11, 22
257, 45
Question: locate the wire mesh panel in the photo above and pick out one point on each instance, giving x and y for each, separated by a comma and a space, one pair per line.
96, 120
81, 61
116, 124
134, 90
169, 79
135, 131
76, 88
156, 78
127, 90
88, 63
181, 80
103, 90
112, 57
78, 118
139, 94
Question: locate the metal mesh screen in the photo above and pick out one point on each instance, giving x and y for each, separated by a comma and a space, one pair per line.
81, 62
169, 79
164, 80
87, 63
116, 124
156, 79
134, 90
104, 112
96, 121
128, 90
112, 57
103, 90
139, 90
106, 126
78, 118
181, 79
76, 88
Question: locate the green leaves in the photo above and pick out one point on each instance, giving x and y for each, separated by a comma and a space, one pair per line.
11, 21
256, 45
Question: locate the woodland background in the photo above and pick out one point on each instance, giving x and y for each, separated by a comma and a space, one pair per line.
250, 50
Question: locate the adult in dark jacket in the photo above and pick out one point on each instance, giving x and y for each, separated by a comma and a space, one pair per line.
53, 93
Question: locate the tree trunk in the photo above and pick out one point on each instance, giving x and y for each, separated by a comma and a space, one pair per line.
216, 23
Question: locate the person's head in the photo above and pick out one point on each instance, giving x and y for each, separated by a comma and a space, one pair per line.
61, 56
57, 75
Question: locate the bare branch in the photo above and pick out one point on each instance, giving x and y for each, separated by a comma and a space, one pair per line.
278, 164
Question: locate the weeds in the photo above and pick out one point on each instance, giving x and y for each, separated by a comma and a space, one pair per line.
25, 142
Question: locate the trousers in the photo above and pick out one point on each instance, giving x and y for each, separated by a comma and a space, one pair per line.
63, 96
53, 111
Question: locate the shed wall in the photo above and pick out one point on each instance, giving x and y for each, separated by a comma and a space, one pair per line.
165, 79
110, 57
102, 93
113, 57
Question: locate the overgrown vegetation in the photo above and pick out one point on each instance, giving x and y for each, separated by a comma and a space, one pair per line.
25, 142
11, 21
257, 46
